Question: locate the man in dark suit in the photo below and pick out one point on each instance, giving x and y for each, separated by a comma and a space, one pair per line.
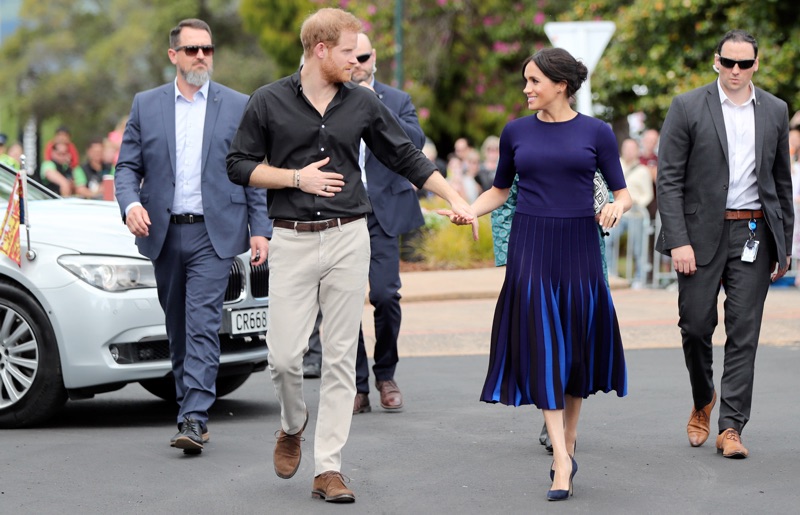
724, 193
395, 211
188, 218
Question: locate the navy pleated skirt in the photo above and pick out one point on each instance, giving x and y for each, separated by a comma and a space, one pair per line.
555, 330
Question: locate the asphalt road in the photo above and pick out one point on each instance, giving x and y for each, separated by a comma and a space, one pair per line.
445, 453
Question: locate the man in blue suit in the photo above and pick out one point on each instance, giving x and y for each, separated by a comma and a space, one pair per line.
395, 211
188, 218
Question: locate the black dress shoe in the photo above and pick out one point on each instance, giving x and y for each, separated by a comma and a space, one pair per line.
206, 435
312, 370
191, 436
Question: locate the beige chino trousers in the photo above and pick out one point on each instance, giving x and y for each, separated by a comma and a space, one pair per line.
311, 271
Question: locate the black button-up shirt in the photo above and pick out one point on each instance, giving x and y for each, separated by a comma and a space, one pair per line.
281, 125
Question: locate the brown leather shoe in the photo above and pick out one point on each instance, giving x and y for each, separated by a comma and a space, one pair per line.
361, 404
330, 487
391, 398
729, 443
699, 423
286, 457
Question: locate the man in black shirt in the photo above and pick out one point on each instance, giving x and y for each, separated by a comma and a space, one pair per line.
308, 127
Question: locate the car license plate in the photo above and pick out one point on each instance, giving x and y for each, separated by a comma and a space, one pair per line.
247, 321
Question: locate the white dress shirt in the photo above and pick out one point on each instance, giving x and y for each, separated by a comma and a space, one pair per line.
740, 128
190, 116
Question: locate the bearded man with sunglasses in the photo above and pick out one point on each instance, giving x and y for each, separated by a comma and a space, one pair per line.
725, 198
188, 218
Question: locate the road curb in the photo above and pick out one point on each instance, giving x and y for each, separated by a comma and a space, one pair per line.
476, 283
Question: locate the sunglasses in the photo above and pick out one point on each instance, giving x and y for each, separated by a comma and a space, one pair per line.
191, 50
744, 64
364, 57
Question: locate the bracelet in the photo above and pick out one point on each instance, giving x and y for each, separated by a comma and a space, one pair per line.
297, 179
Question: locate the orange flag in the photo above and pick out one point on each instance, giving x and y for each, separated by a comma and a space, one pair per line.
9, 231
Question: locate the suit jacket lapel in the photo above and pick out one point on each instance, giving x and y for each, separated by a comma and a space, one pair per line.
761, 121
168, 113
213, 104
379, 89
715, 107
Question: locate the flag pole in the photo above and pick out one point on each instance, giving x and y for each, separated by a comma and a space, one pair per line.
26, 214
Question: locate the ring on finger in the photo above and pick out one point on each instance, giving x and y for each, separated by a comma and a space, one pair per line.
325, 187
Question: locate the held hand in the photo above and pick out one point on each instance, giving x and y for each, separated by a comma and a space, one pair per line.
779, 271
138, 221
322, 184
462, 208
683, 260
461, 214
456, 219
259, 250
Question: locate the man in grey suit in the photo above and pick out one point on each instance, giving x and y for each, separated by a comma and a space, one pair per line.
725, 198
188, 218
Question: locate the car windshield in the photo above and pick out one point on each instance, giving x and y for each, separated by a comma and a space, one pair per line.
35, 191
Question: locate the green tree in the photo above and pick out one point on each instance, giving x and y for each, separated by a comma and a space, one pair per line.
665, 47
461, 57
276, 24
80, 63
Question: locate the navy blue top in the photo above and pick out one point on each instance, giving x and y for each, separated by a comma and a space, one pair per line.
556, 162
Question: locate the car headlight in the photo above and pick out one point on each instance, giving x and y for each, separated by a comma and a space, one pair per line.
111, 273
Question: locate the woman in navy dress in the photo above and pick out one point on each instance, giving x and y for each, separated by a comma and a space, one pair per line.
555, 336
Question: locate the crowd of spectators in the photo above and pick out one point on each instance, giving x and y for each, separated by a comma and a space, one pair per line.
67, 171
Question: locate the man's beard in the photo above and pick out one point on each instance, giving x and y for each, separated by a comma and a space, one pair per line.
331, 73
364, 76
197, 77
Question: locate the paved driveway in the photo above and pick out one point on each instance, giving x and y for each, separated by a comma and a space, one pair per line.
446, 453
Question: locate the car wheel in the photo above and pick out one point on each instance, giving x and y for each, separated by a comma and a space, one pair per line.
227, 384
31, 384
164, 387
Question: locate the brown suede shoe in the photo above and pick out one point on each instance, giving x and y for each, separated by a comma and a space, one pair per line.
729, 443
391, 398
330, 487
361, 404
699, 423
286, 457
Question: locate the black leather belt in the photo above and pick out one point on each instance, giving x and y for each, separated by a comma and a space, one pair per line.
743, 214
322, 225
186, 219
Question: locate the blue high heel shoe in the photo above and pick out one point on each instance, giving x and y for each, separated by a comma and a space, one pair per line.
563, 495
552, 467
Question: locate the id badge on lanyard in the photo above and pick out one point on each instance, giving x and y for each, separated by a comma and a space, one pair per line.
750, 249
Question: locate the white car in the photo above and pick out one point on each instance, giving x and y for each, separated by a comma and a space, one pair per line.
81, 315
